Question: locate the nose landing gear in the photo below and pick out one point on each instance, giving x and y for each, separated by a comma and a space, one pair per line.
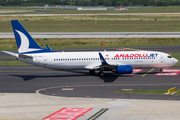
161, 70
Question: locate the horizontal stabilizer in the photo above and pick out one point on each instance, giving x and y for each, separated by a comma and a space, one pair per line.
11, 53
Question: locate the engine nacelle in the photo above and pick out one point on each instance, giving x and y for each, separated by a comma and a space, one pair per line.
124, 69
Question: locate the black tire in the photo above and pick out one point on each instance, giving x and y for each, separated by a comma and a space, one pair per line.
92, 72
161, 70
101, 74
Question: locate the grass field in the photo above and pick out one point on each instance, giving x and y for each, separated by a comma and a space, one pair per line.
157, 92
168, 9
86, 23
73, 43
102, 26
15, 11
12, 63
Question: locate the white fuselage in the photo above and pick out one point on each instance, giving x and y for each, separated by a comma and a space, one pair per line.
85, 60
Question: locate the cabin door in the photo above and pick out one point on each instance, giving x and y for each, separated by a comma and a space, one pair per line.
45, 60
162, 59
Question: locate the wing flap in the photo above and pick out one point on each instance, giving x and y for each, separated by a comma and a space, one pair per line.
93, 66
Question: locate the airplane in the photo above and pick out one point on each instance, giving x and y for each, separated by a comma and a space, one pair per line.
119, 62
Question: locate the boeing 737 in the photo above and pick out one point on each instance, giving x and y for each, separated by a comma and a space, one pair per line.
119, 62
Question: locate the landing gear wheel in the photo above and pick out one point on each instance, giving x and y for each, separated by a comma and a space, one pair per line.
161, 70
101, 74
92, 72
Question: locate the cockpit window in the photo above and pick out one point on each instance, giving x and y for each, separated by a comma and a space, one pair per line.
169, 56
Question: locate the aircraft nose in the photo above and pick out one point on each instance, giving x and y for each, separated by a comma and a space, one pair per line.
175, 61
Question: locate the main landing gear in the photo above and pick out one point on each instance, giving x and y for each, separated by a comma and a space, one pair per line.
92, 72
101, 74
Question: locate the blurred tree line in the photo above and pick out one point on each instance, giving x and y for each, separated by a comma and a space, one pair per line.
34, 2
126, 2
90, 2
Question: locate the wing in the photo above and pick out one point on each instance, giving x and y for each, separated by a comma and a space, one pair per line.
103, 64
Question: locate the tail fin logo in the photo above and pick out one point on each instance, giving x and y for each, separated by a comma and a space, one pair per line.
24, 46
25, 43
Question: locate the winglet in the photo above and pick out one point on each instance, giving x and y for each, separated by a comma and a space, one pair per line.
48, 48
102, 59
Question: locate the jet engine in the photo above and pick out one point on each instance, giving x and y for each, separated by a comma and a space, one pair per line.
123, 69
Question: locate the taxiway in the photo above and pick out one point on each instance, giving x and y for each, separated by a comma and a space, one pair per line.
100, 35
29, 92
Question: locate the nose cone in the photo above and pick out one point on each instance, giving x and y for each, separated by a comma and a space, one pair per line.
175, 61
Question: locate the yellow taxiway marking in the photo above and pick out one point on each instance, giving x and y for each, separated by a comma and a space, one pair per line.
148, 72
95, 116
133, 49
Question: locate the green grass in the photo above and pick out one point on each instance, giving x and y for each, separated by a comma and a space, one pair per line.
157, 92
73, 43
12, 63
177, 93
86, 23
176, 55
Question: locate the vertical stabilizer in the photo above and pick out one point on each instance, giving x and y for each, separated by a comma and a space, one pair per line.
25, 43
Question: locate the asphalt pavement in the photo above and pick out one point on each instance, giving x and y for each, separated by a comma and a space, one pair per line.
30, 79
29, 92
99, 35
